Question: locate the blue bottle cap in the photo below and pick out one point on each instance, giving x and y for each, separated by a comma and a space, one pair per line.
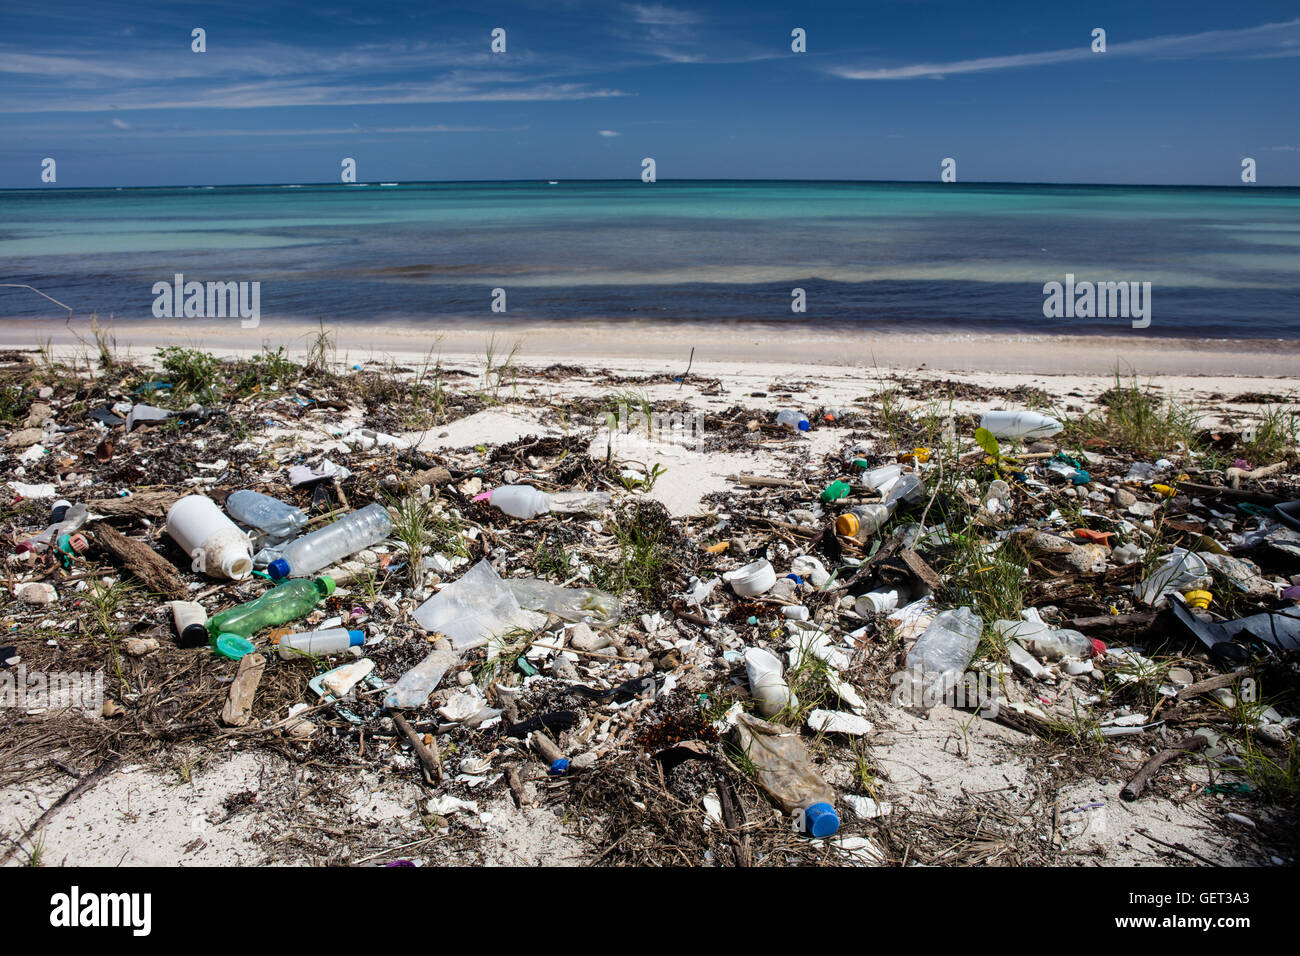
234, 646
804, 424
795, 578
279, 568
356, 638
820, 820
561, 765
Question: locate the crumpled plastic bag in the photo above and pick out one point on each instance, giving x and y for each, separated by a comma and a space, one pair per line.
474, 609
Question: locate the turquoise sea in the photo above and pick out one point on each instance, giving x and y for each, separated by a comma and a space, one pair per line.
1222, 262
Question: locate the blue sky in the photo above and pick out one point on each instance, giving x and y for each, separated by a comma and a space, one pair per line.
886, 90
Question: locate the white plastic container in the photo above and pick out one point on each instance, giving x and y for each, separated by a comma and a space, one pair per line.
877, 602
1006, 424
766, 684
881, 479
753, 579
332, 640
520, 501
214, 543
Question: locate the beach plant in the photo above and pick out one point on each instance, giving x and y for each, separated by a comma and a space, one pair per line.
1276, 431
644, 558
413, 529
1138, 420
498, 371
321, 350
192, 372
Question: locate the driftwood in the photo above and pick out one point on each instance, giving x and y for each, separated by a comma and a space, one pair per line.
144, 562
428, 757
1133, 789
239, 705
142, 504
1213, 683
1219, 491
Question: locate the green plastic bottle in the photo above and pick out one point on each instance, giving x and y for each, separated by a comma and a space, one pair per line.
284, 603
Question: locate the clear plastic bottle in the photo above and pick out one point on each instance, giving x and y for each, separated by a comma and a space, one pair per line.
1047, 643
947, 646
265, 513
784, 769
333, 542
333, 640
284, 603
581, 502
789, 418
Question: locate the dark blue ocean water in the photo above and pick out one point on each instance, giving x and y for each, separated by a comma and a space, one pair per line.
905, 256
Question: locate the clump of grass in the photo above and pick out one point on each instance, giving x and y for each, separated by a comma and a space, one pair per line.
37, 851
413, 530
192, 372
1276, 432
1276, 778
551, 559
503, 655
321, 350
810, 684
644, 560
989, 580
1137, 420
499, 372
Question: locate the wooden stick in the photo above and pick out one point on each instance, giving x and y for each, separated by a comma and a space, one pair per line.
1133, 789
428, 755
1213, 683
141, 560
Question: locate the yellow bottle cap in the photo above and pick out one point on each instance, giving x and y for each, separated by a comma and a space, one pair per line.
847, 524
1198, 599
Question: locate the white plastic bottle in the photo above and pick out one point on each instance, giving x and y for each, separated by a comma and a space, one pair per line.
1006, 424
520, 501
214, 543
336, 541
265, 513
333, 640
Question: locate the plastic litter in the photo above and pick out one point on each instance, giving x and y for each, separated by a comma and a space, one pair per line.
215, 544
579, 605
277, 519
332, 543
280, 605
784, 770
1010, 424
474, 609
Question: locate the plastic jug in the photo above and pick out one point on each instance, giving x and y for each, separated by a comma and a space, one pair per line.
333, 542
277, 519
215, 544
283, 603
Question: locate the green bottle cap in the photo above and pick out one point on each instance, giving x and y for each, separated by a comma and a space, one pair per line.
327, 583
234, 646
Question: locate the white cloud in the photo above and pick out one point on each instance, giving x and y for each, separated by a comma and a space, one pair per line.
608, 132
1268, 39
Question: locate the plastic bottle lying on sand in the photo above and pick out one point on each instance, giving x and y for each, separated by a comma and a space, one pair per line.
586, 605
789, 418
784, 769
1007, 424
215, 544
862, 522
525, 501
277, 519
280, 605
941, 654
333, 542
1044, 642
332, 640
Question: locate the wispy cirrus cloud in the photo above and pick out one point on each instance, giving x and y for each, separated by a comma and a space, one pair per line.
1266, 40
278, 75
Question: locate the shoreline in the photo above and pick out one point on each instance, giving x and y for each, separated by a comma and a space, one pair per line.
750, 342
